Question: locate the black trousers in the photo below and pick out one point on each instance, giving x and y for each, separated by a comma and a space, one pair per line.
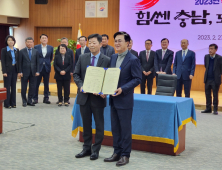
65, 84
10, 85
32, 86
187, 87
210, 85
146, 81
87, 111
122, 131
45, 76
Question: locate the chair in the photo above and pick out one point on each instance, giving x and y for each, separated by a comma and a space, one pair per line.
166, 85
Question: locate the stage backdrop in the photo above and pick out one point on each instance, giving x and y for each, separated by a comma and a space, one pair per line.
199, 21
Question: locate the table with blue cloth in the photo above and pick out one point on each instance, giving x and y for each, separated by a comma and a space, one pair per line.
157, 119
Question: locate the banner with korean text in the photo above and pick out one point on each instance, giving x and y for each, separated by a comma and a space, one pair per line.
199, 21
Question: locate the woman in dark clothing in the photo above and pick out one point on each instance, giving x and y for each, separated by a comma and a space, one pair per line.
9, 61
63, 66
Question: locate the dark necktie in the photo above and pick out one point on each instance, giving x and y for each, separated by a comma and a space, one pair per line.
30, 54
93, 60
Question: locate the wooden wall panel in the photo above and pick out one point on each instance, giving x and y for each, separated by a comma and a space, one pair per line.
67, 13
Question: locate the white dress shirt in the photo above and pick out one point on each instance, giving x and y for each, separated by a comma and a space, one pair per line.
185, 52
83, 49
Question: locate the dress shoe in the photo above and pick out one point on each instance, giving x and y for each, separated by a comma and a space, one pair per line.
215, 112
24, 104
123, 161
35, 101
57, 102
113, 158
13, 106
8, 107
46, 101
30, 104
94, 156
66, 104
83, 154
206, 111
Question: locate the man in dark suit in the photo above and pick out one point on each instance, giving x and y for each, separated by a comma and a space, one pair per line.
28, 70
212, 78
163, 59
184, 67
106, 49
91, 103
122, 102
45, 57
147, 65
84, 49
131, 50
65, 41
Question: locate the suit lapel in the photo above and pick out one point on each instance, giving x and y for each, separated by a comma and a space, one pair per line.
27, 53
125, 60
88, 60
107, 50
40, 50
166, 54
215, 61
9, 53
113, 59
100, 61
160, 54
207, 61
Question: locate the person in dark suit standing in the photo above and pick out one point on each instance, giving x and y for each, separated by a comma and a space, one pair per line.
122, 102
163, 59
147, 65
106, 49
212, 78
84, 49
63, 67
91, 103
45, 57
184, 67
131, 50
9, 61
28, 70
65, 41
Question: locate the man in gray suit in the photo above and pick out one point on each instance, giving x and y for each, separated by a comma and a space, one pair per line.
91, 103
106, 49
28, 70
147, 65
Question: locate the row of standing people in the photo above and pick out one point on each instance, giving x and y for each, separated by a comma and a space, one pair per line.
160, 61
33, 64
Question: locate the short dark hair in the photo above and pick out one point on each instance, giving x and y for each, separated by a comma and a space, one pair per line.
43, 35
29, 38
149, 40
7, 37
62, 45
105, 35
126, 35
83, 37
165, 39
98, 36
215, 46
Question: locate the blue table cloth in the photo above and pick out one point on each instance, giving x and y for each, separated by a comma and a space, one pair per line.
155, 118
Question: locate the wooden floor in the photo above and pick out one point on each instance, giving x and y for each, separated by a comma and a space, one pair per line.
198, 96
